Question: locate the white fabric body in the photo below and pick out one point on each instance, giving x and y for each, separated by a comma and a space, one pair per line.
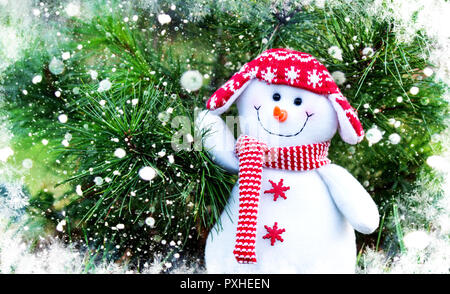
323, 206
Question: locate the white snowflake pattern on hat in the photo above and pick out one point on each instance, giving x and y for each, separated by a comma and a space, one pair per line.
269, 75
213, 102
328, 76
229, 86
243, 69
251, 74
314, 78
292, 74
281, 56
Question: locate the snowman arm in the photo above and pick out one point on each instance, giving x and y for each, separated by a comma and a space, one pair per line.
351, 198
218, 140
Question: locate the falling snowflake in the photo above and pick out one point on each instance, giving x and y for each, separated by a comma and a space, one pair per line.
394, 138
65, 55
428, 71
269, 75
72, 9
414, 90
292, 74
120, 153
164, 18
104, 85
79, 191
147, 173
37, 79
13, 199
368, 52
314, 78
63, 118
56, 66
93, 74
36, 12
27, 163
150, 221
374, 135
60, 225
339, 77
191, 80
98, 181
335, 52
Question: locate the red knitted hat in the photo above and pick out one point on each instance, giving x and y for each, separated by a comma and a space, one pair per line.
297, 69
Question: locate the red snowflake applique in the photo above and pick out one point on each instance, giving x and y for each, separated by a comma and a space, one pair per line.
277, 190
274, 234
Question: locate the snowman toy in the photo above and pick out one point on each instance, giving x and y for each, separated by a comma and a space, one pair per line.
291, 211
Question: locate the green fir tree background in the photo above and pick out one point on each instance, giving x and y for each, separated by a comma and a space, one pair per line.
94, 93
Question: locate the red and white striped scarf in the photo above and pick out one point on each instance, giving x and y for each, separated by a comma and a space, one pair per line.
253, 156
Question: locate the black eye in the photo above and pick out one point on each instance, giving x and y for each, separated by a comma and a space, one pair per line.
276, 97
298, 101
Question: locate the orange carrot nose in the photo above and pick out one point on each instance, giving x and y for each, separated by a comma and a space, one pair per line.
280, 114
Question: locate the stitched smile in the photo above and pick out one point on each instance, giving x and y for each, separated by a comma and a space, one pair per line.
282, 135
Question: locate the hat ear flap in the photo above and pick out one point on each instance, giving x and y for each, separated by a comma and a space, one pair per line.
214, 99
350, 128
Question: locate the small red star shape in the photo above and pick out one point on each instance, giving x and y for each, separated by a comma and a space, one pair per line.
273, 234
277, 190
